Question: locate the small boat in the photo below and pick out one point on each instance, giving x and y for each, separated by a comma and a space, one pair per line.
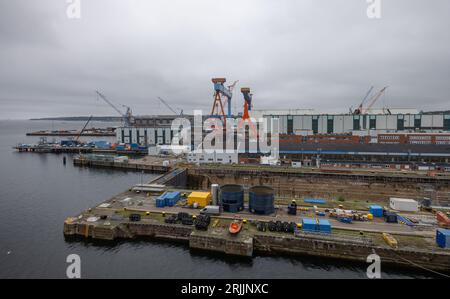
390, 240
235, 227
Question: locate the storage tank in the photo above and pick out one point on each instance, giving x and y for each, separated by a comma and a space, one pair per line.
215, 194
232, 198
261, 200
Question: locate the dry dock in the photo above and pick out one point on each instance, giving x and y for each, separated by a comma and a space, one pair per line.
111, 220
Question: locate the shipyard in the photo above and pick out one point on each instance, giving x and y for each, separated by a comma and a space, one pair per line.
391, 198
225, 147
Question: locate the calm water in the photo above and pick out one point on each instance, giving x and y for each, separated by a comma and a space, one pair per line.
37, 192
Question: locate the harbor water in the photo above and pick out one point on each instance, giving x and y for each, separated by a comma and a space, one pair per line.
38, 191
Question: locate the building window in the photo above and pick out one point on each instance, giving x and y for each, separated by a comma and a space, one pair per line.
315, 125
356, 123
447, 122
290, 124
400, 123
330, 125
373, 122
417, 121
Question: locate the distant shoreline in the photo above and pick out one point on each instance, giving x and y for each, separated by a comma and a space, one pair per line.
82, 118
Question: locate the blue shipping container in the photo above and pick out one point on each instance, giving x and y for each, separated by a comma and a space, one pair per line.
376, 211
309, 225
171, 198
315, 200
443, 237
324, 226
160, 203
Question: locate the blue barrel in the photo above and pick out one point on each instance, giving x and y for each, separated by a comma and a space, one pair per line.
261, 200
232, 198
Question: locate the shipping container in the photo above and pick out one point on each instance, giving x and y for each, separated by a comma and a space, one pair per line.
309, 225
315, 200
171, 198
201, 198
443, 238
404, 204
324, 226
376, 211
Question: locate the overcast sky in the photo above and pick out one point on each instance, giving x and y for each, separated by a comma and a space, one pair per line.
293, 54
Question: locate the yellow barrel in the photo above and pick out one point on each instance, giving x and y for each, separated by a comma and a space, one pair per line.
370, 216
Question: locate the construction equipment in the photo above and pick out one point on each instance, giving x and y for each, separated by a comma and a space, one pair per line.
169, 107
360, 107
219, 91
442, 220
84, 128
126, 117
374, 99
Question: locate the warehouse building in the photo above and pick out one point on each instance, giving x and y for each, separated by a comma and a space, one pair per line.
153, 130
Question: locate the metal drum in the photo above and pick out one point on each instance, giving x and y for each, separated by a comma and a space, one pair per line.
261, 200
232, 198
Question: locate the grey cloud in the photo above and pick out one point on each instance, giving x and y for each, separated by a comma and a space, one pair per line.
292, 53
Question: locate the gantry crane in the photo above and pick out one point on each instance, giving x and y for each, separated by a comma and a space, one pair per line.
228, 100
219, 91
247, 107
126, 117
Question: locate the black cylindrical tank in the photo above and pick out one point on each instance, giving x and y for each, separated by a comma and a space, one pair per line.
232, 198
261, 200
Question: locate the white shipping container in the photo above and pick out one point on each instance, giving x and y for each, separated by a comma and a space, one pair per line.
404, 204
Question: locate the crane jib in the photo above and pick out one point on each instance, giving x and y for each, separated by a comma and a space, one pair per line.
222, 89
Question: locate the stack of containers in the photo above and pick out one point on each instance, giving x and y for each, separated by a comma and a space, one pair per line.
376, 211
172, 198
168, 199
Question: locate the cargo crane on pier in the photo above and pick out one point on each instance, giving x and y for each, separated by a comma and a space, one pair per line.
126, 117
219, 91
84, 128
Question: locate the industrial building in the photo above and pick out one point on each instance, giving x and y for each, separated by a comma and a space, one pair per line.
152, 130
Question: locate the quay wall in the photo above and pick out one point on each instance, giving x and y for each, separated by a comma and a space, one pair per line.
122, 165
261, 244
288, 245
